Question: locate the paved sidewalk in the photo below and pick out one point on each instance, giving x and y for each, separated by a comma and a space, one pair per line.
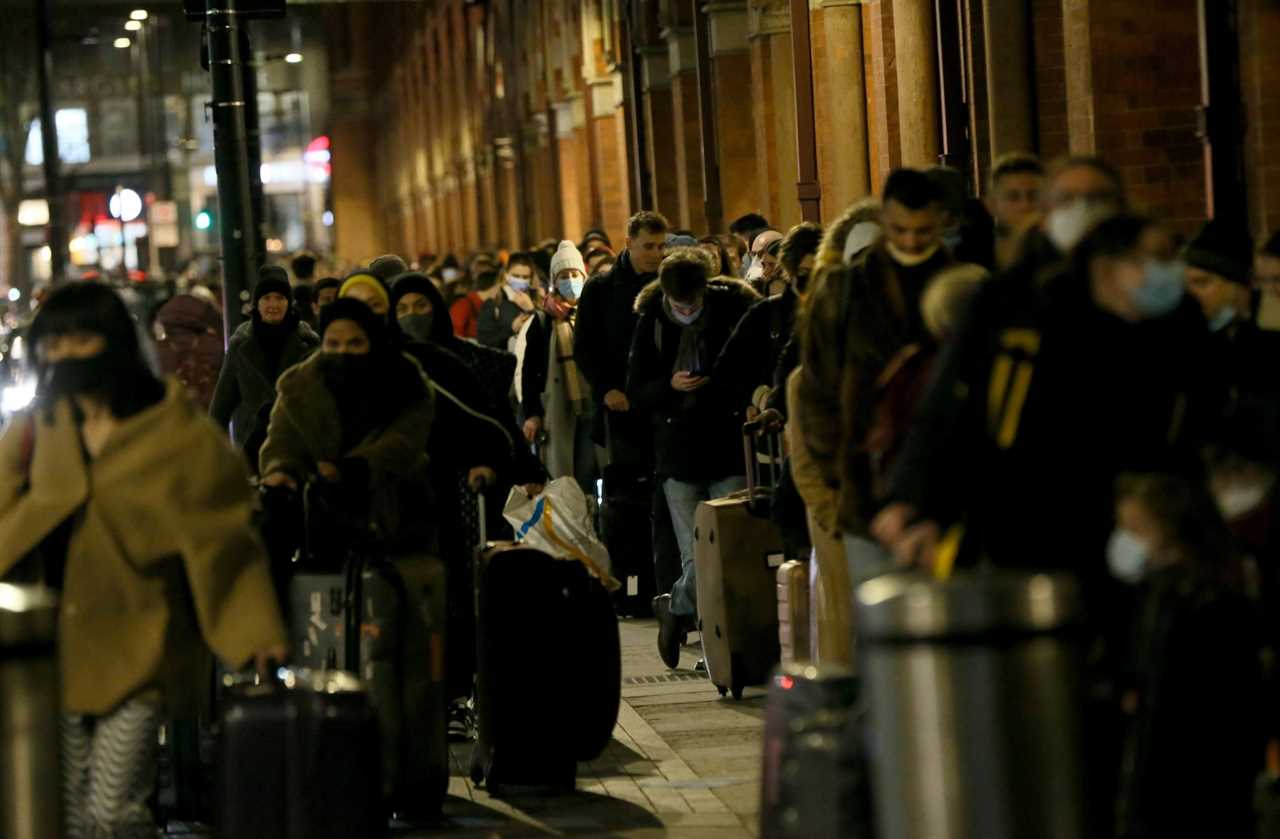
683, 763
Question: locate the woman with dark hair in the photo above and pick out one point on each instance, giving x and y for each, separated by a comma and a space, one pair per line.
270, 343
358, 414
117, 491
1194, 656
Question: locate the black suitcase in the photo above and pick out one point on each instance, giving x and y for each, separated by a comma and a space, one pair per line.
626, 519
816, 781
298, 758
530, 609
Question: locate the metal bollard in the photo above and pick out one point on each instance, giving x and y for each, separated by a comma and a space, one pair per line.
30, 780
976, 698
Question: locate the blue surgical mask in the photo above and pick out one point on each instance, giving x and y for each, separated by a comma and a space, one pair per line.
518, 285
1161, 289
1127, 556
570, 289
1224, 318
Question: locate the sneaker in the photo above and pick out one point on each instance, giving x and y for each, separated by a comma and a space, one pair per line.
462, 720
670, 631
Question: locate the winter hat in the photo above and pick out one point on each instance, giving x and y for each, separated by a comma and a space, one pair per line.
367, 279
596, 235
272, 279
675, 241
567, 256
348, 308
387, 267
1222, 248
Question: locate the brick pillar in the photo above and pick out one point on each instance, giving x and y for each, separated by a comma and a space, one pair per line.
840, 105
612, 173
682, 61
1008, 71
883, 145
1260, 79
569, 119
356, 213
915, 45
659, 109
1133, 86
735, 131
773, 107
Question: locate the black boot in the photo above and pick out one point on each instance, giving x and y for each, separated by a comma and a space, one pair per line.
670, 631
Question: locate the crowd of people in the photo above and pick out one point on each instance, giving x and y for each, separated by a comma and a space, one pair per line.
1043, 379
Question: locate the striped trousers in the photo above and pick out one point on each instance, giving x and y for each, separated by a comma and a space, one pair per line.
109, 772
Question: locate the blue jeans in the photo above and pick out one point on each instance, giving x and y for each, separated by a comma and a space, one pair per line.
683, 498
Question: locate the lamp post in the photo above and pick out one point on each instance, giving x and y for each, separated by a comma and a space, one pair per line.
49, 143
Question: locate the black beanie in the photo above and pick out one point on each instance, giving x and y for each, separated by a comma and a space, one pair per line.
412, 282
349, 308
387, 266
1222, 248
272, 279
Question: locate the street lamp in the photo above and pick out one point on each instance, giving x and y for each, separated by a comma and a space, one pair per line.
132, 25
293, 58
122, 43
138, 14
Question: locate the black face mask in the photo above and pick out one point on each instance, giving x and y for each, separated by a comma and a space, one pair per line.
417, 327
92, 376
344, 372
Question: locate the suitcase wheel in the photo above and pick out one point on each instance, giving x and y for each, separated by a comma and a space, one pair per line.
723, 690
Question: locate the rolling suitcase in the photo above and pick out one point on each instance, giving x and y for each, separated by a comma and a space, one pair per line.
531, 608
737, 551
298, 758
384, 620
815, 780
626, 519
793, 611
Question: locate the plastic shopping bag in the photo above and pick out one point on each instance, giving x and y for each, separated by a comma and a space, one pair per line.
558, 522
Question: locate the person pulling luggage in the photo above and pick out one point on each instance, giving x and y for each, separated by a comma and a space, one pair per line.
358, 414
117, 491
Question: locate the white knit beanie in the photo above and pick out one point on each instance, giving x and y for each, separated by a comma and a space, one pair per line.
567, 256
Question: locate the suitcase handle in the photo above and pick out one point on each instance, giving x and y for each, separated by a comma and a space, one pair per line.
750, 432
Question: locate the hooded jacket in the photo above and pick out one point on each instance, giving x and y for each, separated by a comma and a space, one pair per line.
697, 436
306, 430
190, 345
163, 561
858, 318
246, 386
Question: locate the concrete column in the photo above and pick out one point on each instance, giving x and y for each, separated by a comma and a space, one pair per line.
682, 62
735, 133
611, 175
660, 118
773, 110
840, 103
915, 45
1009, 101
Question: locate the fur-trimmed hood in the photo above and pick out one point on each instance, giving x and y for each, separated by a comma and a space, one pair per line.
650, 297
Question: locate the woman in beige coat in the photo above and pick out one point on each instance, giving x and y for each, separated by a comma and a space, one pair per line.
116, 490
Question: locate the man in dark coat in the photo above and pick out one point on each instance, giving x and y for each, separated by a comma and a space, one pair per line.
685, 320
272, 341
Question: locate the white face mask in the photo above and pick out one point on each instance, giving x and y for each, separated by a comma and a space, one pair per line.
1127, 556
911, 260
1237, 501
1070, 223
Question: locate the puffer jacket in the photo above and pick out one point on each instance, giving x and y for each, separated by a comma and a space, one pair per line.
697, 436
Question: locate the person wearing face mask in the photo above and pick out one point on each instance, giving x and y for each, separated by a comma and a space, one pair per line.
556, 399
358, 414
685, 318
1219, 262
747, 368
272, 341
510, 304
763, 266
115, 490
1101, 371
1193, 654
468, 447
858, 317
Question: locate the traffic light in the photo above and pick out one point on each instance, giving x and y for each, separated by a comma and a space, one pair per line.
204, 220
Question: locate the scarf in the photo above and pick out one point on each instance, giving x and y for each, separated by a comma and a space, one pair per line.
577, 390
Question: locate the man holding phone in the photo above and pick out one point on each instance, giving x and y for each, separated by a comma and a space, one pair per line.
685, 320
